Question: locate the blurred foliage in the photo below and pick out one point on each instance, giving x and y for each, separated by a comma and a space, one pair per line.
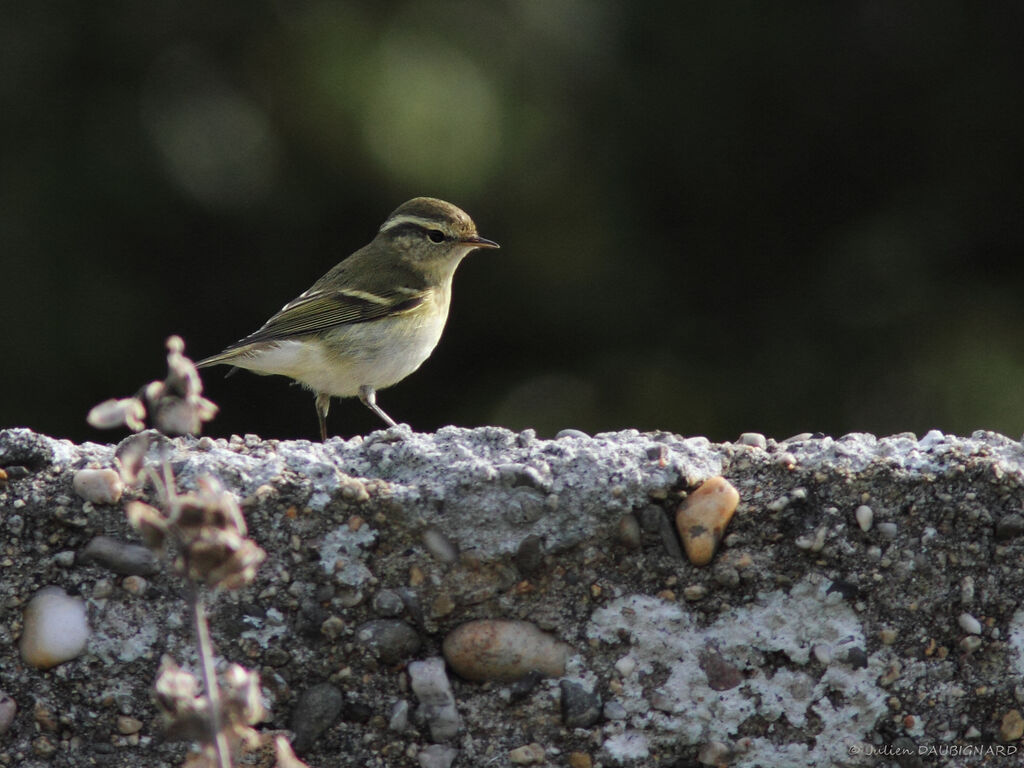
714, 217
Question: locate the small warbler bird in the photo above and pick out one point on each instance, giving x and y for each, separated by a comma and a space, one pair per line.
372, 319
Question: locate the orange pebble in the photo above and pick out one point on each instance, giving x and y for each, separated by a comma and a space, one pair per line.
702, 518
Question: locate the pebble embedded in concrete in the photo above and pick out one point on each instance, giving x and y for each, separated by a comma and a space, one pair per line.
437, 756
613, 710
437, 702
754, 440
439, 545
315, 711
391, 640
1011, 727
580, 708
865, 517
629, 532
529, 555
714, 753
8, 709
127, 725
504, 650
100, 486
56, 628
625, 666
888, 530
528, 754
969, 624
970, 644
119, 556
702, 518
399, 719
388, 603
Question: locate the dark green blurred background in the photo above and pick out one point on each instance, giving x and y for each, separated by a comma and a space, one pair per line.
714, 217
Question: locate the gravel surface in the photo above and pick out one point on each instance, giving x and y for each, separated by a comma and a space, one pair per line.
864, 607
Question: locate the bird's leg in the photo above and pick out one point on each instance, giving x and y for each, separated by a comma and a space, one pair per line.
368, 397
323, 405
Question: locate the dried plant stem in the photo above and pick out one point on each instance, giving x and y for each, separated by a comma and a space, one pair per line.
204, 647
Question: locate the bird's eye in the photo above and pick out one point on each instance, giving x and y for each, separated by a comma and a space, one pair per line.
435, 235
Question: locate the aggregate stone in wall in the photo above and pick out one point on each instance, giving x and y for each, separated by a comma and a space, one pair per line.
864, 607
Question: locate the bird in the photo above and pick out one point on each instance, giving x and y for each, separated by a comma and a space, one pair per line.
372, 319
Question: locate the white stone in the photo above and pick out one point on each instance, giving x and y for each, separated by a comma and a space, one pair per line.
437, 702
865, 517
100, 486
56, 628
969, 624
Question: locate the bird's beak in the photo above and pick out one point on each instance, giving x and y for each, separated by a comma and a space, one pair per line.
480, 242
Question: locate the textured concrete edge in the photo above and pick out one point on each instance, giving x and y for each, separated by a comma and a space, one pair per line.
812, 633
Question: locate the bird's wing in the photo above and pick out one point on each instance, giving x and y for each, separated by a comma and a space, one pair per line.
317, 311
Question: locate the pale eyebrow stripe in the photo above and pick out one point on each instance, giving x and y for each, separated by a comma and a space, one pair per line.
406, 219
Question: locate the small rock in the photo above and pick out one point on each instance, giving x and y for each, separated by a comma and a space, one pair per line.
822, 653
391, 640
529, 555
754, 440
702, 518
1011, 727
970, 644
437, 756
399, 719
865, 517
119, 557
524, 686
356, 711
8, 709
629, 532
56, 628
721, 675
387, 603
969, 624
437, 702
44, 746
726, 575
528, 754
100, 486
654, 520
580, 707
442, 605
857, 658
1009, 526
695, 592
439, 545
571, 434
625, 666
135, 585
888, 636
613, 710
45, 718
126, 726
499, 649
315, 711
276, 657
64, 559
714, 753
332, 627
888, 530
580, 760
967, 590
